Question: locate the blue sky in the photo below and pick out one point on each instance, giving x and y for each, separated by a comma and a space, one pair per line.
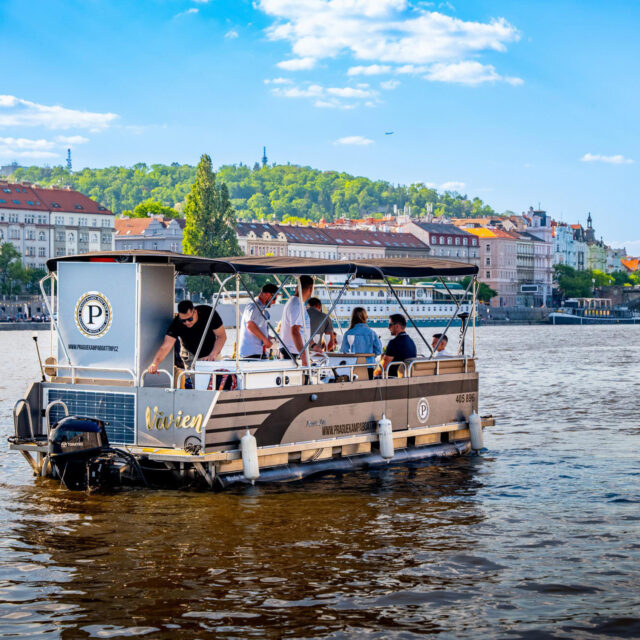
518, 103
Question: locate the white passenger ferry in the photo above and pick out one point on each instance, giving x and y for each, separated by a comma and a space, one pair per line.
97, 419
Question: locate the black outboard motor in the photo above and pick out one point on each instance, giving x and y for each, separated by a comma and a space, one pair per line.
79, 449
73, 443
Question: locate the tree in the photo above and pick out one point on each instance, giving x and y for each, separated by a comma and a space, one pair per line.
572, 283
11, 271
151, 208
485, 292
210, 228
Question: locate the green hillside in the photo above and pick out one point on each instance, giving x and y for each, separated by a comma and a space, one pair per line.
276, 192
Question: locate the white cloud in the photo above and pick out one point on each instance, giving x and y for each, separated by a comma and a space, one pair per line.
278, 81
15, 112
297, 64
72, 139
389, 84
617, 159
333, 104
452, 186
354, 140
369, 70
312, 91
350, 92
411, 69
468, 72
231, 34
327, 97
188, 12
27, 148
383, 32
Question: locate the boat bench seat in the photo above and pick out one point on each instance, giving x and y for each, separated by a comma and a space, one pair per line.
442, 366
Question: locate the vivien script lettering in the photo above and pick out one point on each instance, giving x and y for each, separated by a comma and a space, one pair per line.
158, 420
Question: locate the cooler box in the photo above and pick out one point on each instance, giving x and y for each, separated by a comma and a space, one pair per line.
260, 374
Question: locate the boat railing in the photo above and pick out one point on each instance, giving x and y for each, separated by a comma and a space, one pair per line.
163, 371
22, 403
74, 367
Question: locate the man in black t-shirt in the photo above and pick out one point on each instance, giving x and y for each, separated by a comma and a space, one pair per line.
401, 347
189, 326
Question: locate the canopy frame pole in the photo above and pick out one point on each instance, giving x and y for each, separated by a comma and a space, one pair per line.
204, 333
335, 312
453, 315
51, 308
275, 333
344, 288
474, 302
305, 347
395, 295
237, 349
284, 291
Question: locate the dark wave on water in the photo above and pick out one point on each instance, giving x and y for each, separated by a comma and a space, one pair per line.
539, 537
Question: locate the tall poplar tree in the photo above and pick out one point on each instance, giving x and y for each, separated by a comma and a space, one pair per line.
210, 228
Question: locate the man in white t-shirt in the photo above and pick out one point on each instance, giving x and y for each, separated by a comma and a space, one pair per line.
254, 337
295, 327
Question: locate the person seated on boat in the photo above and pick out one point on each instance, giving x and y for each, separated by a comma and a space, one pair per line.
295, 326
321, 326
254, 338
361, 338
188, 327
400, 348
439, 351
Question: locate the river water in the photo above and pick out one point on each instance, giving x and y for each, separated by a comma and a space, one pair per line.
539, 537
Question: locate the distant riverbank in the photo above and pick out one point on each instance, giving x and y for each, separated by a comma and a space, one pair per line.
24, 326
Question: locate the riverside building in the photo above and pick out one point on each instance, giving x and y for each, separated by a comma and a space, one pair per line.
44, 223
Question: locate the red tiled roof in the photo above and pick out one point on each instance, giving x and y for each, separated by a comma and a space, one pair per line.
70, 201
382, 239
17, 196
303, 235
137, 226
23, 196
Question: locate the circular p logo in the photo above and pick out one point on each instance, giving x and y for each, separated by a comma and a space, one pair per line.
93, 314
423, 410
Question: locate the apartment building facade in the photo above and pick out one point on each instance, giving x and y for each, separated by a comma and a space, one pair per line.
446, 240
43, 223
154, 233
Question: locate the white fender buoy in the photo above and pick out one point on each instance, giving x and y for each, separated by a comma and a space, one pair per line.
249, 449
385, 437
475, 432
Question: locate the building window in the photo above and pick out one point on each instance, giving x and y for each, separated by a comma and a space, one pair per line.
449, 240
488, 262
13, 217
487, 274
488, 248
458, 241
59, 220
94, 237
106, 223
42, 236
441, 239
465, 242
14, 234
83, 222
42, 252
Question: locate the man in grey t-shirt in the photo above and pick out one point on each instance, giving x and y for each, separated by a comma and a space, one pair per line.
254, 330
321, 325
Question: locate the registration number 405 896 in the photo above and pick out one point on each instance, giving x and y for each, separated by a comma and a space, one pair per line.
466, 397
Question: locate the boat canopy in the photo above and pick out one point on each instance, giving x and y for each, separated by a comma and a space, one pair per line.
376, 269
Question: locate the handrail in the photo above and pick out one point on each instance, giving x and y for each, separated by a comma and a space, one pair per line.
415, 361
144, 373
62, 365
47, 411
50, 309
24, 404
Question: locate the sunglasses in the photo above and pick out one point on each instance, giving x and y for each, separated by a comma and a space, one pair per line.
185, 320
